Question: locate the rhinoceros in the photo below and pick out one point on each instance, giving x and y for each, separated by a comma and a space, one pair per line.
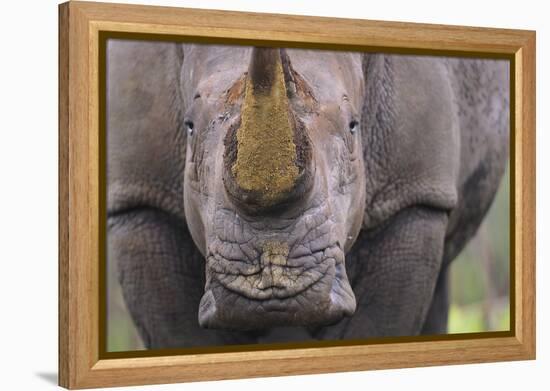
260, 194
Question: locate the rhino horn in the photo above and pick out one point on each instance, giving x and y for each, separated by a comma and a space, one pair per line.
269, 152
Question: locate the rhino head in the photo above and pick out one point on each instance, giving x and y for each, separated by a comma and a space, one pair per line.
274, 188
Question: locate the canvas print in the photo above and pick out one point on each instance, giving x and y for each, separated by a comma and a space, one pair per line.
260, 195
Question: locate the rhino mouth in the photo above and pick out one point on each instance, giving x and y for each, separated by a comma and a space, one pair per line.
271, 280
274, 275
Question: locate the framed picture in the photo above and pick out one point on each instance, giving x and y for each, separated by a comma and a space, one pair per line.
247, 195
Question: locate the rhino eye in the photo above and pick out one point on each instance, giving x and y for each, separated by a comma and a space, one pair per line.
353, 125
189, 125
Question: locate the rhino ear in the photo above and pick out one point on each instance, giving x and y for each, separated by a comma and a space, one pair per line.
146, 139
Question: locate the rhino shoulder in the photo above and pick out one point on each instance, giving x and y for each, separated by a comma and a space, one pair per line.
145, 141
482, 95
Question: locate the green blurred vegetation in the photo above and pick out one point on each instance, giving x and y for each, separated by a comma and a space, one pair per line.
479, 293
480, 275
121, 332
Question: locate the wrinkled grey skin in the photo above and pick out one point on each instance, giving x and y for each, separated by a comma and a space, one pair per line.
394, 199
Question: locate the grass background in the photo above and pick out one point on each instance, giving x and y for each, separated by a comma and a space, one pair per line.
480, 275
480, 282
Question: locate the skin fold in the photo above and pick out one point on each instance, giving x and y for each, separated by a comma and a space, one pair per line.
264, 195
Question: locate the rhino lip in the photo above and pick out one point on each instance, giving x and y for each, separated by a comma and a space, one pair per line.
277, 279
318, 302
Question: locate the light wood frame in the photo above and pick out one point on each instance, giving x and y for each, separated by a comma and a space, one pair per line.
80, 364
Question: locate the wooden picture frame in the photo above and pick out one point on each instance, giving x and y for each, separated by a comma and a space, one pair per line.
82, 363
